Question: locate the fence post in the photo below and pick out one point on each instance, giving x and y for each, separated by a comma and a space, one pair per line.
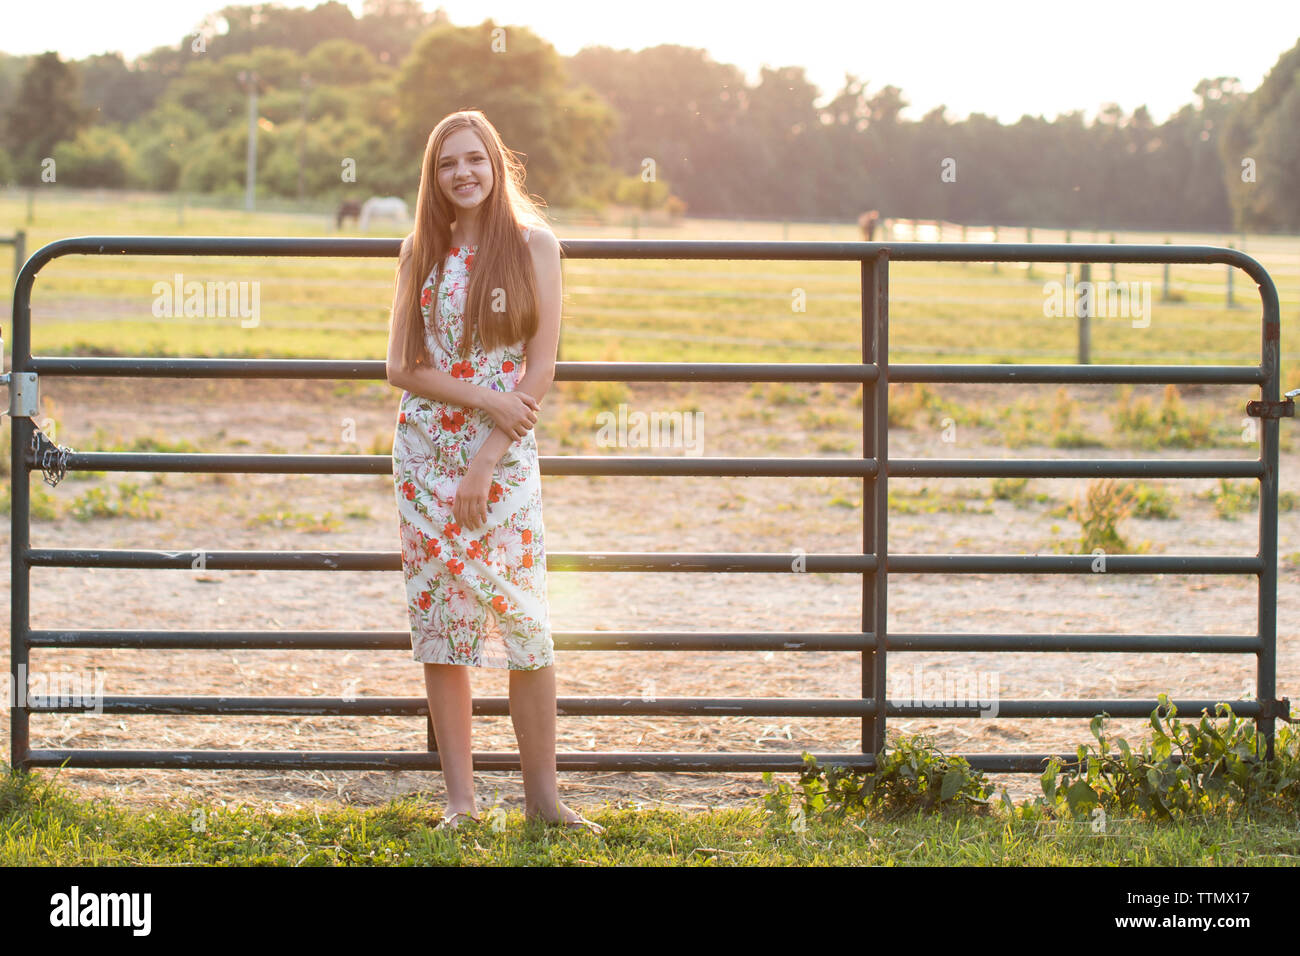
1069, 266
874, 292
20, 253
995, 239
964, 263
1231, 269
1029, 267
1112, 265
1085, 330
1164, 287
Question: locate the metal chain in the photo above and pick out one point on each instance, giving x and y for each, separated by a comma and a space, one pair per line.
52, 459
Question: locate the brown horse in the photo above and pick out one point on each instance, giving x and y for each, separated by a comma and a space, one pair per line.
867, 223
349, 208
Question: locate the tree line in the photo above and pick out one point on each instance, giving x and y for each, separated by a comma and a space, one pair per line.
346, 103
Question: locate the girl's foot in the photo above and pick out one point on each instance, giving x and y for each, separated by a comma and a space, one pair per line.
452, 820
571, 820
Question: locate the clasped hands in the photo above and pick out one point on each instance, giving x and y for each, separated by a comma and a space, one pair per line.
515, 413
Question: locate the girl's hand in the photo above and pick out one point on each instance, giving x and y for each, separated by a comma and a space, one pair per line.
514, 412
470, 507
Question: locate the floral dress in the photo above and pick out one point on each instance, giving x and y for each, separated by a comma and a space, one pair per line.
473, 597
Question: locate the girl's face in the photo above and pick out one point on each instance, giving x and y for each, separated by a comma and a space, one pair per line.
464, 170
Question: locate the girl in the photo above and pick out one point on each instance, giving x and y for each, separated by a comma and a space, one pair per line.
473, 338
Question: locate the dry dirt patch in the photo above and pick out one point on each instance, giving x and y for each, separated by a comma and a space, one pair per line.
270, 512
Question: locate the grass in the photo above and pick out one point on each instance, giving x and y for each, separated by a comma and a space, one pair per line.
125, 501
642, 310
1152, 501
42, 824
297, 520
1016, 490
1171, 425
932, 501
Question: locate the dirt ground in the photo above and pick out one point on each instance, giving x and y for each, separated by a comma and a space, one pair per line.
597, 514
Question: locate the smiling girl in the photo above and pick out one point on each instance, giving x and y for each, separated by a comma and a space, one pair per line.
475, 328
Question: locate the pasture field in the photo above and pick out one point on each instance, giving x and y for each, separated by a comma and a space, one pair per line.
643, 311
636, 310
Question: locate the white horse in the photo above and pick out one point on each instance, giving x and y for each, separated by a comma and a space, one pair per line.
391, 207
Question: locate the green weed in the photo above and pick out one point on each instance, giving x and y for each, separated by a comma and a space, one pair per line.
911, 774
1216, 764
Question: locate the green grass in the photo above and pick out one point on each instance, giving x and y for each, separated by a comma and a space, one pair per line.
1152, 501
42, 824
296, 520
1016, 490
675, 311
644, 310
931, 501
126, 500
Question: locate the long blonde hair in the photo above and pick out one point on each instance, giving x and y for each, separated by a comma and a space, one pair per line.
501, 260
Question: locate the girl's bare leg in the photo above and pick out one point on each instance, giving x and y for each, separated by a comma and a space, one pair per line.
451, 706
532, 711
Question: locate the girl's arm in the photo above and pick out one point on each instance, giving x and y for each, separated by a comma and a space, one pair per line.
423, 381
491, 452
539, 365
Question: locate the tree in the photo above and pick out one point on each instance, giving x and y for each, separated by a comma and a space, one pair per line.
676, 106
342, 63
520, 87
1260, 161
97, 157
162, 138
46, 111
116, 92
787, 150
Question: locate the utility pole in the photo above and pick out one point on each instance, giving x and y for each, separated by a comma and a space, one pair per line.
248, 79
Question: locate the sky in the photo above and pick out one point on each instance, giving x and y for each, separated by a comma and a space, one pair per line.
1004, 58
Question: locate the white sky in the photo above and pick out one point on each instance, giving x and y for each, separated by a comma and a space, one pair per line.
1001, 57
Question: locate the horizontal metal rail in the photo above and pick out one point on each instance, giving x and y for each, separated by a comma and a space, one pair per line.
665, 641
690, 762
663, 561
688, 466
338, 369
615, 706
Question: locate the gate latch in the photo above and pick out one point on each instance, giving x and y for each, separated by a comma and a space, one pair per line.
1282, 409
1281, 709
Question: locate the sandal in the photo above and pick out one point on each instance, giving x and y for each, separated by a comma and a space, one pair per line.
446, 822
582, 823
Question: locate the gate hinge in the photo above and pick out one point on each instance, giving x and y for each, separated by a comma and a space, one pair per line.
1282, 409
23, 401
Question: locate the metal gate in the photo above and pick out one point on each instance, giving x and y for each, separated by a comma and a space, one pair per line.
31, 450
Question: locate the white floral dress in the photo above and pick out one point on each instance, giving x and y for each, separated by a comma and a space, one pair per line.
473, 597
